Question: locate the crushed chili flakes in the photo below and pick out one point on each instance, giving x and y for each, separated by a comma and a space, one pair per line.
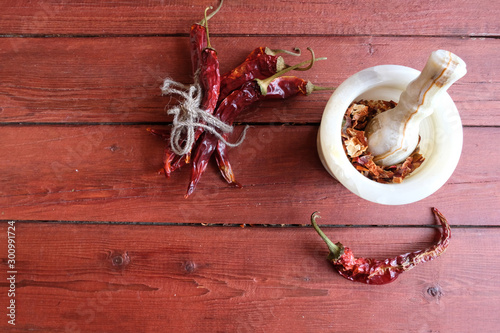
356, 119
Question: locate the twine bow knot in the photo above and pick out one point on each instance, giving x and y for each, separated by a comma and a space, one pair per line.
188, 116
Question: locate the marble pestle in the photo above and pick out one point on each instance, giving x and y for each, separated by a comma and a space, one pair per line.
393, 135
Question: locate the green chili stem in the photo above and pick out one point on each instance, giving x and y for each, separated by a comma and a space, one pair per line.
335, 250
209, 46
318, 88
206, 18
263, 84
313, 60
311, 87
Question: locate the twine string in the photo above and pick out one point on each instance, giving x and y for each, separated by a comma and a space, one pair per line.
188, 116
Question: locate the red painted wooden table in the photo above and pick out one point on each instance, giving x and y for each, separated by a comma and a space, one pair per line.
102, 243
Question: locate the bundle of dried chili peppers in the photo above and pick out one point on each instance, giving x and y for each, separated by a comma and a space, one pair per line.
259, 77
373, 271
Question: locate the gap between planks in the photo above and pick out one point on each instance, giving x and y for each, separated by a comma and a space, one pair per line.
471, 36
138, 123
165, 123
256, 226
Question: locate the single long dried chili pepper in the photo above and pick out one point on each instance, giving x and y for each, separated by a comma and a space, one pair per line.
227, 111
198, 40
209, 80
208, 75
197, 43
373, 271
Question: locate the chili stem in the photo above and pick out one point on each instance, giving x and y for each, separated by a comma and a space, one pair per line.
206, 18
335, 250
311, 87
318, 88
263, 84
209, 46
311, 64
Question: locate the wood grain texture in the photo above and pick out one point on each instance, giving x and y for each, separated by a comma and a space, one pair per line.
117, 79
105, 244
457, 17
108, 173
124, 278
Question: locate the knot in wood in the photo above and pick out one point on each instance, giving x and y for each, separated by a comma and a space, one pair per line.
189, 266
119, 260
114, 147
434, 291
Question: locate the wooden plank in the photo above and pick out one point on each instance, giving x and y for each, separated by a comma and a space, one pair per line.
457, 17
117, 79
108, 173
112, 278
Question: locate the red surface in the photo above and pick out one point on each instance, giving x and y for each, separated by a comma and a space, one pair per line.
105, 244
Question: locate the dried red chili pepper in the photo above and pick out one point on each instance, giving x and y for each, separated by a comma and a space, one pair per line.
224, 165
207, 73
229, 109
209, 80
259, 64
198, 40
197, 43
373, 271
259, 67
